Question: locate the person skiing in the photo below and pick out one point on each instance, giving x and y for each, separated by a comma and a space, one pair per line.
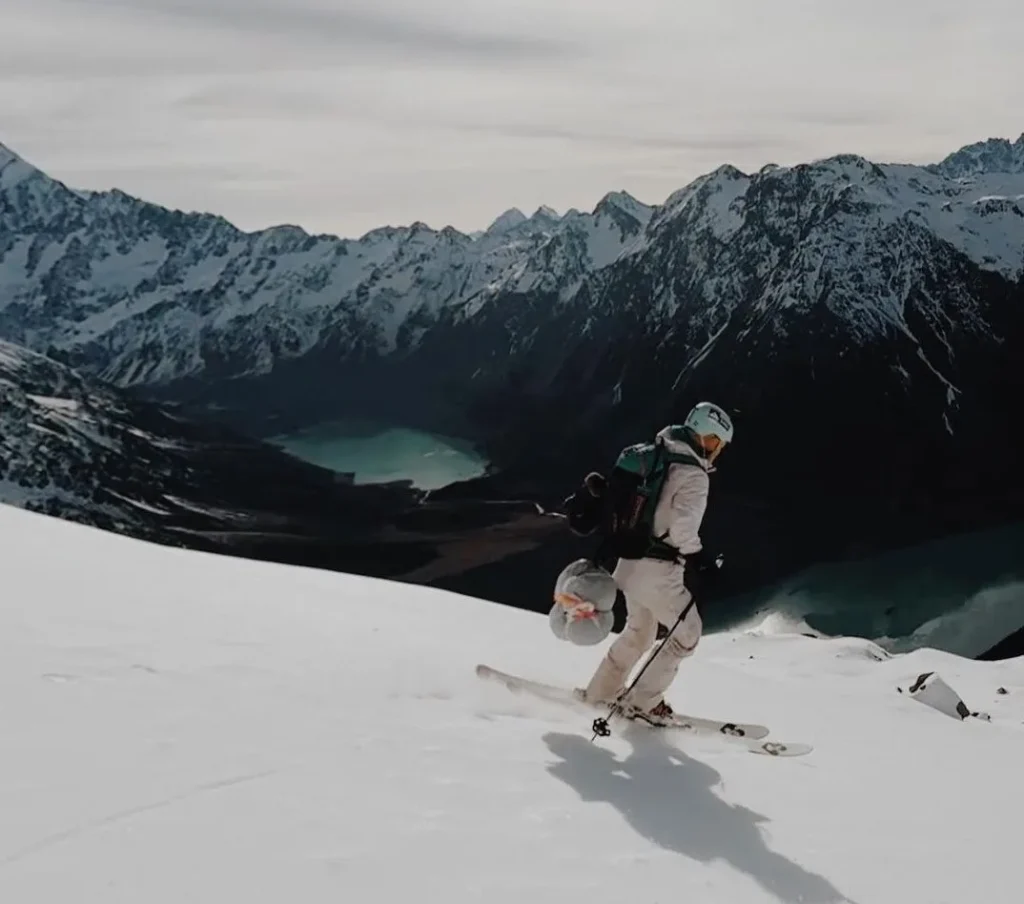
656, 589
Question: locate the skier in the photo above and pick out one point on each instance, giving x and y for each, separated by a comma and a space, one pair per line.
656, 588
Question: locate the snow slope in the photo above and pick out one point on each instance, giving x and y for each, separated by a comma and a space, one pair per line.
184, 727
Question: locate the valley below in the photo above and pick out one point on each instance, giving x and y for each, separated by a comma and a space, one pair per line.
440, 393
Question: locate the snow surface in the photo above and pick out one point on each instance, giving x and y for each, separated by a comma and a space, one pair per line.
185, 727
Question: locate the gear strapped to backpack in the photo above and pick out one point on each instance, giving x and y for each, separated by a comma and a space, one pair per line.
621, 507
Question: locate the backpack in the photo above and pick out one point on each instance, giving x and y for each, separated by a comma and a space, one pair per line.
620, 508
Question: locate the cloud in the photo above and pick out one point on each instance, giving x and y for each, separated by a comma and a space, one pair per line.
365, 30
342, 115
713, 142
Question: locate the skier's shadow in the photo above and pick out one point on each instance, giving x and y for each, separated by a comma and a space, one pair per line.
668, 798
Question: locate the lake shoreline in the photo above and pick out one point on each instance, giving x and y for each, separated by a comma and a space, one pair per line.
373, 453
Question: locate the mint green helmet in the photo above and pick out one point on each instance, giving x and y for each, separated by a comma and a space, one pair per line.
709, 419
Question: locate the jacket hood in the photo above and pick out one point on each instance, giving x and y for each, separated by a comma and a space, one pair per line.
675, 438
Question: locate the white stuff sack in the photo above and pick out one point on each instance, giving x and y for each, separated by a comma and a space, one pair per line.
584, 598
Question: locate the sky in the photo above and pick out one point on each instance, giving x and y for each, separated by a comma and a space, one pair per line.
345, 115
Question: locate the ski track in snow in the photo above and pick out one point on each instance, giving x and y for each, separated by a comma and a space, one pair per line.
122, 815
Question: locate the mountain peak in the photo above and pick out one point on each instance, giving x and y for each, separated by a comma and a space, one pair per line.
546, 213
619, 198
14, 169
728, 171
623, 202
993, 155
508, 220
6, 154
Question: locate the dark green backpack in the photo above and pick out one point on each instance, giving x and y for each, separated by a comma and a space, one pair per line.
621, 507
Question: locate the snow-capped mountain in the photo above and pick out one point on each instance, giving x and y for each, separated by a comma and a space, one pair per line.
180, 727
842, 238
145, 296
995, 155
186, 304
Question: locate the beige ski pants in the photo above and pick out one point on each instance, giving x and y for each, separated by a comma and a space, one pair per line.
654, 593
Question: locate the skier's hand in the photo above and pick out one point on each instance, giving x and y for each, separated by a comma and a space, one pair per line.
705, 562
701, 570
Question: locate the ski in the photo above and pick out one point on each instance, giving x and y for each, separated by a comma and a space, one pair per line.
570, 696
751, 736
680, 722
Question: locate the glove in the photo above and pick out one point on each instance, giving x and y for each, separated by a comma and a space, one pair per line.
584, 508
701, 569
704, 561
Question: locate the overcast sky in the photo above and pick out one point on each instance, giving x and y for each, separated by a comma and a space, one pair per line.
343, 115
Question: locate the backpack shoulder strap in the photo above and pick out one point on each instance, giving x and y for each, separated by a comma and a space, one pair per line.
660, 548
